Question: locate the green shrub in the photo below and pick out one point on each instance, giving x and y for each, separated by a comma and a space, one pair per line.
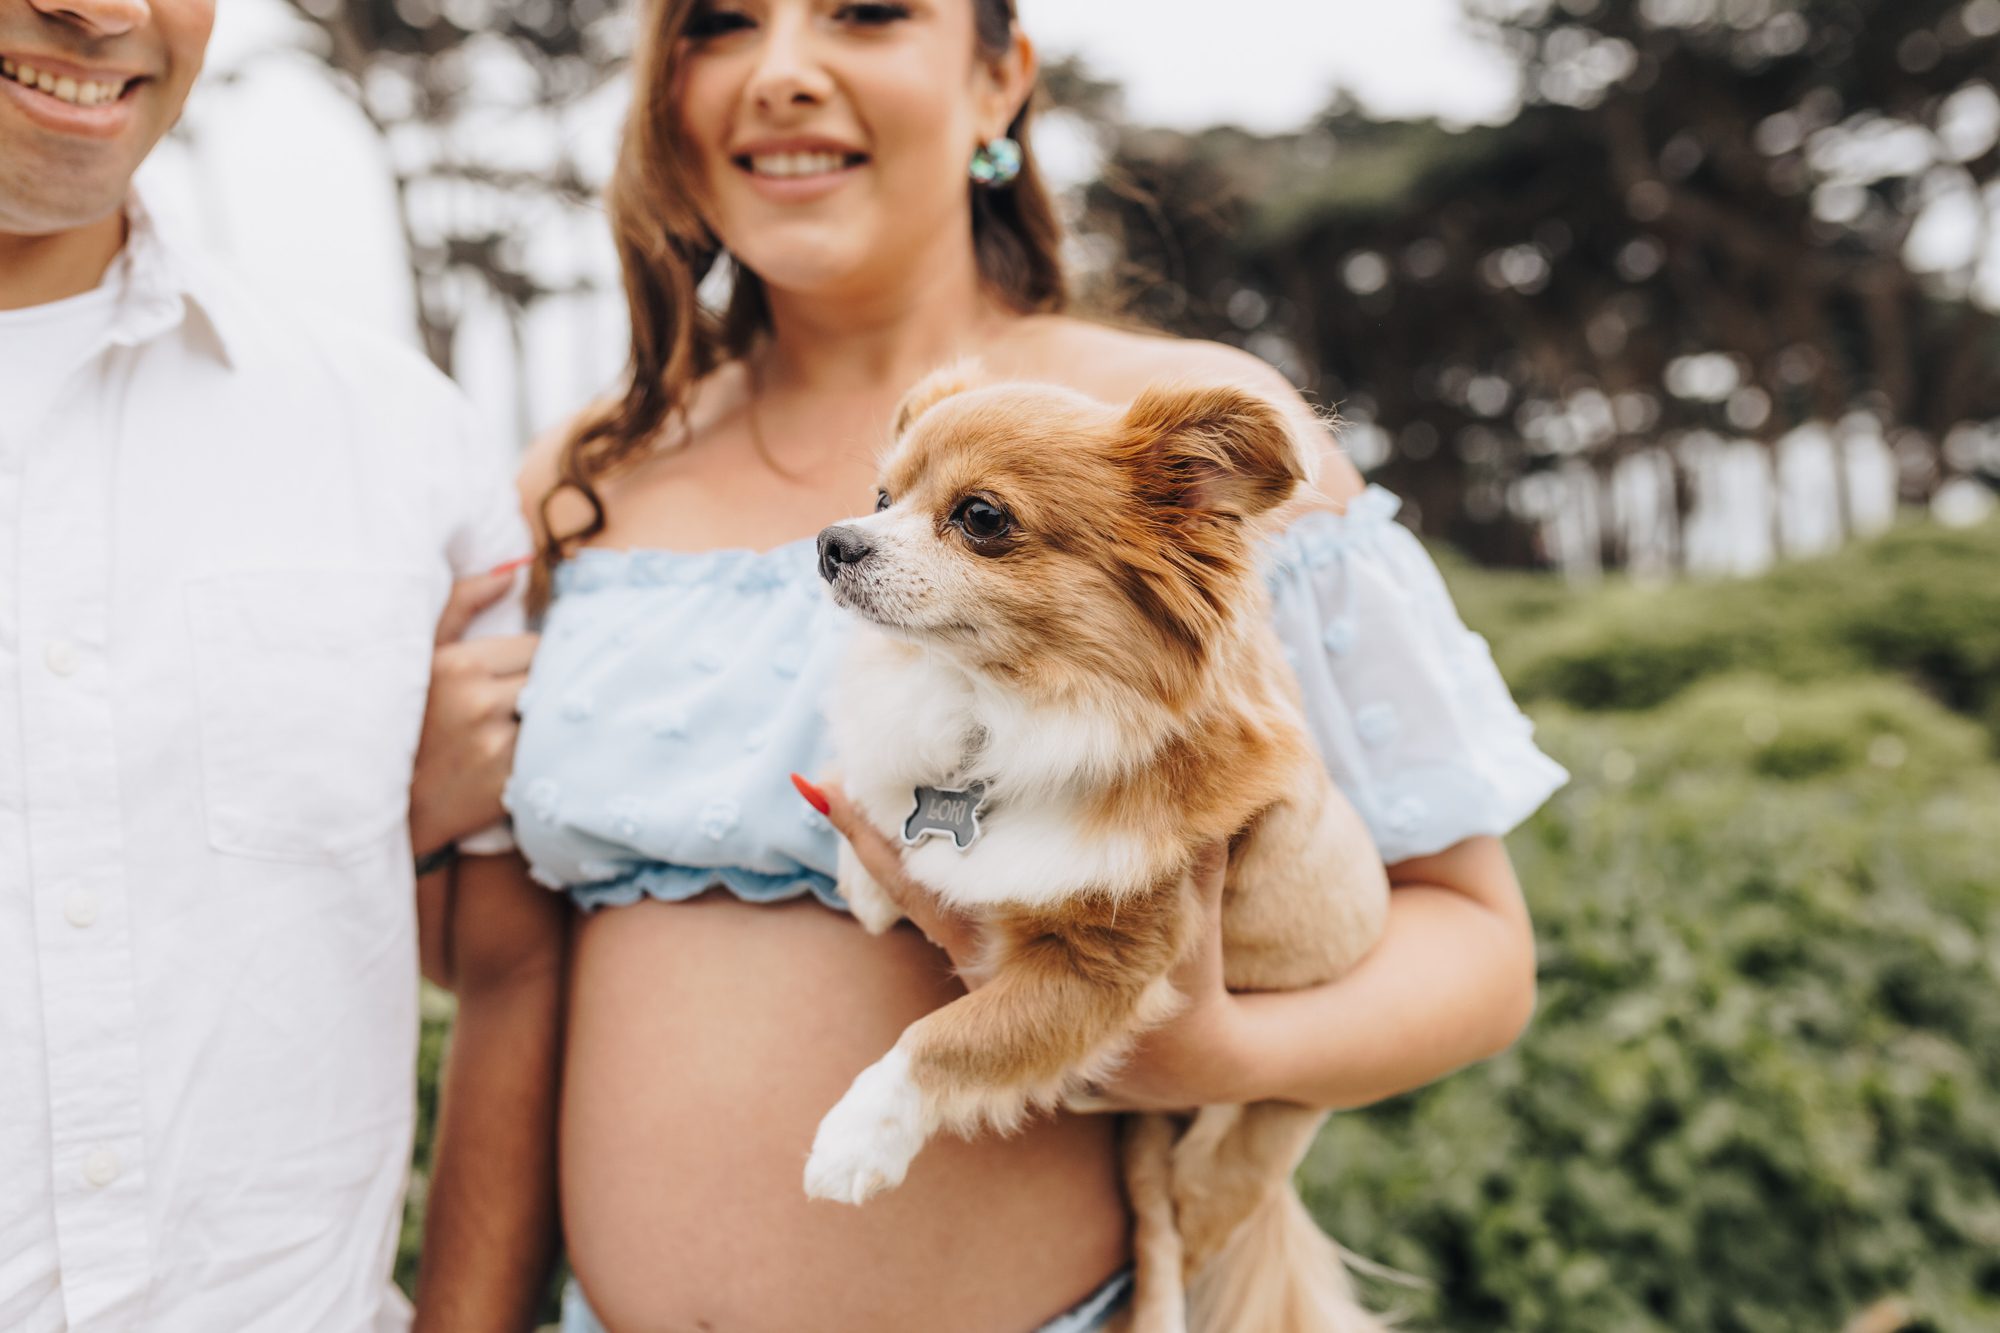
1922, 602
437, 1009
1763, 1086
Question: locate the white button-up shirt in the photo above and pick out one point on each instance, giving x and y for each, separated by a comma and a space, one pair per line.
222, 553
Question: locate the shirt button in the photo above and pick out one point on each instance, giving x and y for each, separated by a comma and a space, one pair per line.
100, 1168
60, 657
80, 907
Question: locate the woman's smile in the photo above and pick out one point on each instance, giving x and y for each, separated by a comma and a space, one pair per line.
797, 170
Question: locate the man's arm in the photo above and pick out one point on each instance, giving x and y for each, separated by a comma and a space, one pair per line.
490, 1227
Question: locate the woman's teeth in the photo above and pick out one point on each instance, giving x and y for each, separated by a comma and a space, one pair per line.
65, 89
797, 164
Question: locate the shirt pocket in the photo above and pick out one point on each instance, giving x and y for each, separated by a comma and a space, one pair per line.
311, 691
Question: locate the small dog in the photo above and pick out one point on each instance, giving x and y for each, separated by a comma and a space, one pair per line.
1067, 686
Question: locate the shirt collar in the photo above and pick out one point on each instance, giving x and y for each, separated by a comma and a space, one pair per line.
166, 282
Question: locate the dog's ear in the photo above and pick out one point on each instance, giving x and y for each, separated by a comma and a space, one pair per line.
1212, 449
934, 388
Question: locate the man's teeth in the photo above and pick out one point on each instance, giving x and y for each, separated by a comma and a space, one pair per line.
797, 164
76, 92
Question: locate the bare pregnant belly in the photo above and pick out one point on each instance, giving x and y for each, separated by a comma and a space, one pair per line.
706, 1039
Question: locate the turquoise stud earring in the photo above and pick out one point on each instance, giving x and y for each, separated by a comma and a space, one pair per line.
996, 162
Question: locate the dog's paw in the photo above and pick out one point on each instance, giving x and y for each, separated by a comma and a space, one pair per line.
873, 908
867, 1141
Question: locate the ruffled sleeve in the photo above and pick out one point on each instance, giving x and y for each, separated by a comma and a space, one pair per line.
1410, 714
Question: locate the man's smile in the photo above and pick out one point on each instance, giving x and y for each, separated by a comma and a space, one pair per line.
71, 99
64, 86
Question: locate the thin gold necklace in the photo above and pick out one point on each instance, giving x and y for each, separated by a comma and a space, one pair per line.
757, 442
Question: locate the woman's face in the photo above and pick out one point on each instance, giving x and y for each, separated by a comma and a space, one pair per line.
833, 137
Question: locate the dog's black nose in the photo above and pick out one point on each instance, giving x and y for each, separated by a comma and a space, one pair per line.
840, 545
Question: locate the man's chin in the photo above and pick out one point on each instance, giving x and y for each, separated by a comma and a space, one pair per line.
56, 203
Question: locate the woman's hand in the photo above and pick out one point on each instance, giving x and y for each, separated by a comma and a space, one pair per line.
1193, 1059
467, 746
1196, 1057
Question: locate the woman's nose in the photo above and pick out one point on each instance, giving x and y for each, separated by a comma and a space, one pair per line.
788, 72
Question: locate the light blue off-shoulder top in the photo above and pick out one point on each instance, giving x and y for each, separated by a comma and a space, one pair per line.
674, 694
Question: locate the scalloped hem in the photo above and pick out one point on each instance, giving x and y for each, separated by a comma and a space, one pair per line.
677, 884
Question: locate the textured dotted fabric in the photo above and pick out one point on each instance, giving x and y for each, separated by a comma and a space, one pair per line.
674, 693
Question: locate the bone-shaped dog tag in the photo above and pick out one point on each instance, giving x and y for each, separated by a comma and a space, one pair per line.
951, 811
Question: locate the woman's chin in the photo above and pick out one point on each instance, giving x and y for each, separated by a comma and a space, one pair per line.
814, 259
815, 274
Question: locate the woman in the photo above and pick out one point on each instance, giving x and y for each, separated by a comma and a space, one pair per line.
865, 169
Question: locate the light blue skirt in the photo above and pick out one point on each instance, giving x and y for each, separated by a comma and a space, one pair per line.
1090, 1314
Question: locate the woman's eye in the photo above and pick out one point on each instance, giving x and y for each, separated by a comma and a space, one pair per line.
982, 520
706, 22
872, 15
882, 501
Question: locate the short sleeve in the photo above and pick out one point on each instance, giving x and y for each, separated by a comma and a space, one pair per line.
1410, 714
487, 528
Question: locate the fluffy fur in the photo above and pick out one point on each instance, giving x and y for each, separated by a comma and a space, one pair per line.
1062, 602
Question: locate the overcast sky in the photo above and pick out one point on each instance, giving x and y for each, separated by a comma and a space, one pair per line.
1268, 64
1263, 64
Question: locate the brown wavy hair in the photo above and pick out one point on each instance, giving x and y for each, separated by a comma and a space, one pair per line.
665, 250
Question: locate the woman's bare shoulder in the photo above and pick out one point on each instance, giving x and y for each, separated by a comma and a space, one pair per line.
541, 465
1116, 364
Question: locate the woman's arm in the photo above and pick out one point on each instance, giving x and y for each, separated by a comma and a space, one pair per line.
467, 744
1451, 982
490, 1226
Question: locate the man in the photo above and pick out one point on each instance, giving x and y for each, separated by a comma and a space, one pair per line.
225, 540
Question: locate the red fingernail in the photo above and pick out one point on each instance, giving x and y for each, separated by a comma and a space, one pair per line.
814, 796
510, 566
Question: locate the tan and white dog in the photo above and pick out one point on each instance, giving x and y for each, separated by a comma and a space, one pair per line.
1065, 688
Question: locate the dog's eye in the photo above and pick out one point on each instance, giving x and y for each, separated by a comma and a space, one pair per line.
882, 501
981, 520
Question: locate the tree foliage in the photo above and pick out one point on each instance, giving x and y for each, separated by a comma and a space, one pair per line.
1699, 225
471, 99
